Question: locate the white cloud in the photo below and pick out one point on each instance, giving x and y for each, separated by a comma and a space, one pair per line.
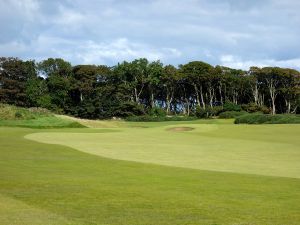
90, 52
257, 32
237, 62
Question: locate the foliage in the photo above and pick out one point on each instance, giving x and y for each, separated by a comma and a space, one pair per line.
208, 112
141, 87
231, 114
268, 119
252, 108
156, 111
229, 106
14, 75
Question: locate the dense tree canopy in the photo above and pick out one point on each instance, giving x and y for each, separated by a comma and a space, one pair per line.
141, 87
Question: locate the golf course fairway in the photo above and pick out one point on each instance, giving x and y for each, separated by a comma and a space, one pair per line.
198, 172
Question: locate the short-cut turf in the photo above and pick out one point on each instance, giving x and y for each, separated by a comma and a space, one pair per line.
253, 149
55, 184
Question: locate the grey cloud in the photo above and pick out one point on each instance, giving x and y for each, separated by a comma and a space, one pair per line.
260, 32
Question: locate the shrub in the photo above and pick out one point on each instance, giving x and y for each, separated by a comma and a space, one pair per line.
208, 112
18, 115
252, 107
231, 114
156, 111
229, 106
201, 113
257, 118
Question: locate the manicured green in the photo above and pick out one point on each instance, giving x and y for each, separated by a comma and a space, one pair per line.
54, 184
234, 148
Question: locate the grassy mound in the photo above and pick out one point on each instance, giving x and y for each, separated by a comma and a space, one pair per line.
13, 116
268, 119
11, 112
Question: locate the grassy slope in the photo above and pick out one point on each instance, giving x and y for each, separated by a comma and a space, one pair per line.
256, 149
41, 122
13, 116
52, 184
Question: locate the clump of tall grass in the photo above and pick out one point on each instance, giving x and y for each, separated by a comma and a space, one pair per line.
11, 112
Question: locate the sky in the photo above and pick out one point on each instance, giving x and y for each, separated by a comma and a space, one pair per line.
234, 33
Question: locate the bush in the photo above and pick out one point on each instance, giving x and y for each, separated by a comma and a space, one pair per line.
229, 106
18, 115
257, 118
231, 114
156, 111
252, 108
201, 113
128, 109
208, 112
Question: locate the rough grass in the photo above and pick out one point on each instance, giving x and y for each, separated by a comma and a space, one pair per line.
42, 122
12, 116
11, 112
55, 184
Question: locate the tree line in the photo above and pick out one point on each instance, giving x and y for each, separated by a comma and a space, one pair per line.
141, 87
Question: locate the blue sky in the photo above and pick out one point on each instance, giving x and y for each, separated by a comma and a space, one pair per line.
235, 33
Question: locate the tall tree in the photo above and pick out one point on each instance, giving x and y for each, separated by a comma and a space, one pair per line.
14, 75
57, 73
197, 73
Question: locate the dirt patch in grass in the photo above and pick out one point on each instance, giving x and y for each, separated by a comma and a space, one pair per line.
180, 129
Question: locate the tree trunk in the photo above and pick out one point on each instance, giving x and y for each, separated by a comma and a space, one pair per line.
210, 96
288, 106
202, 99
169, 100
255, 94
220, 92
152, 100
197, 95
136, 96
187, 106
272, 90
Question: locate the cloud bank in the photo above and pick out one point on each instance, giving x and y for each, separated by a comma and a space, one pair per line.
236, 33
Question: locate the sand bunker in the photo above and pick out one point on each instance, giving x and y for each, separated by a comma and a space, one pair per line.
178, 129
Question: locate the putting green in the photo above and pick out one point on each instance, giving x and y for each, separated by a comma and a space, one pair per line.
253, 149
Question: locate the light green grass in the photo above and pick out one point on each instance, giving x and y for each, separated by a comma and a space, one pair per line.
260, 149
55, 184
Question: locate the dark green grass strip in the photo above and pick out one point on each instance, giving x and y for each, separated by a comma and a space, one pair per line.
87, 189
